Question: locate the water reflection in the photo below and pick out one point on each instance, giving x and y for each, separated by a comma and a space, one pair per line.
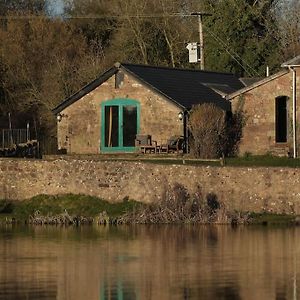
28, 290
118, 290
149, 262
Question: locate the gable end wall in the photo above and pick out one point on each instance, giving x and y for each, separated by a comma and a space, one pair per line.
258, 106
79, 131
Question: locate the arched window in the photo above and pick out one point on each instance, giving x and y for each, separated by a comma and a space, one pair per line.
281, 119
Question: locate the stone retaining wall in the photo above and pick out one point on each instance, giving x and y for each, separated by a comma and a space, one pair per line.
254, 189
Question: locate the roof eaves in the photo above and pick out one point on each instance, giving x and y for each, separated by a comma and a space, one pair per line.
256, 84
85, 90
153, 88
290, 66
247, 81
294, 62
222, 94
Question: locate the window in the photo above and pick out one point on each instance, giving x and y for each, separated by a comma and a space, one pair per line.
120, 124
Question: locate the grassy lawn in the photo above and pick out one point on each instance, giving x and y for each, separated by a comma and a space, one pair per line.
245, 161
263, 161
76, 205
173, 159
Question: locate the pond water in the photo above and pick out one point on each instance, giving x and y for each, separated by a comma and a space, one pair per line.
149, 262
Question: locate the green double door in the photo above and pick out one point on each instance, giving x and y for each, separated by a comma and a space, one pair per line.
120, 124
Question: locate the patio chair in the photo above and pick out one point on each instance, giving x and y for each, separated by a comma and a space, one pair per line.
145, 144
174, 144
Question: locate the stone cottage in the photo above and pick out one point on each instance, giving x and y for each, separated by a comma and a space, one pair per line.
126, 100
271, 112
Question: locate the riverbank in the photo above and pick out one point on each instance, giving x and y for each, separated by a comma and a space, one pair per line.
255, 189
57, 207
179, 208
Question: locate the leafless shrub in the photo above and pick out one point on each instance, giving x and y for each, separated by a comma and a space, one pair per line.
178, 206
214, 133
233, 133
206, 124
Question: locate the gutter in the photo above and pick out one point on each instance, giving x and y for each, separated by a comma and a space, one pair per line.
294, 112
292, 68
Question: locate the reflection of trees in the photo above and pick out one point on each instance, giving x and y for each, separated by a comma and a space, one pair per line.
281, 291
181, 237
230, 291
212, 236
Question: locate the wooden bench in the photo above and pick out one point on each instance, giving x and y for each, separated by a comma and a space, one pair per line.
145, 143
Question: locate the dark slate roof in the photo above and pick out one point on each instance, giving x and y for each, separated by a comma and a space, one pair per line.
186, 87
222, 89
182, 86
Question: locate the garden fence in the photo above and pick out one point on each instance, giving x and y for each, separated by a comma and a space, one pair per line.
11, 137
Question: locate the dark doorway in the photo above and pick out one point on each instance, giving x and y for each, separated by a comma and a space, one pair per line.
281, 125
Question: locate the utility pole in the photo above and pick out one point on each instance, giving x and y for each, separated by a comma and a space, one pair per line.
201, 39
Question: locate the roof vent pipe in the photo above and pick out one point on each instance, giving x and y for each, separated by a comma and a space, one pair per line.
268, 71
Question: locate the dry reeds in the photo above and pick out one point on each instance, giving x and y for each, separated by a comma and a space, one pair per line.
61, 219
178, 206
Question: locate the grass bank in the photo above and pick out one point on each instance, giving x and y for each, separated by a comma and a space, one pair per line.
74, 205
177, 207
274, 219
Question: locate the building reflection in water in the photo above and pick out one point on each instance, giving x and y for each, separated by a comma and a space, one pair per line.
149, 262
120, 290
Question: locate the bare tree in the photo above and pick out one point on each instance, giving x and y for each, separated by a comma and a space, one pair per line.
140, 31
288, 16
175, 29
44, 61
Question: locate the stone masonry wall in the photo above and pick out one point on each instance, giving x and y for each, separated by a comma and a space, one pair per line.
80, 128
258, 105
253, 189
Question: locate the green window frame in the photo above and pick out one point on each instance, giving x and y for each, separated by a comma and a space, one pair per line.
121, 103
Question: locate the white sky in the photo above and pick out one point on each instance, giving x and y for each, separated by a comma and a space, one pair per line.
55, 7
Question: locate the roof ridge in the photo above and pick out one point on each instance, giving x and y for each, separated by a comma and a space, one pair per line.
188, 85
177, 69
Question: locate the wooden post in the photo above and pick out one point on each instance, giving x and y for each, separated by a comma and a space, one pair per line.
201, 38
201, 42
